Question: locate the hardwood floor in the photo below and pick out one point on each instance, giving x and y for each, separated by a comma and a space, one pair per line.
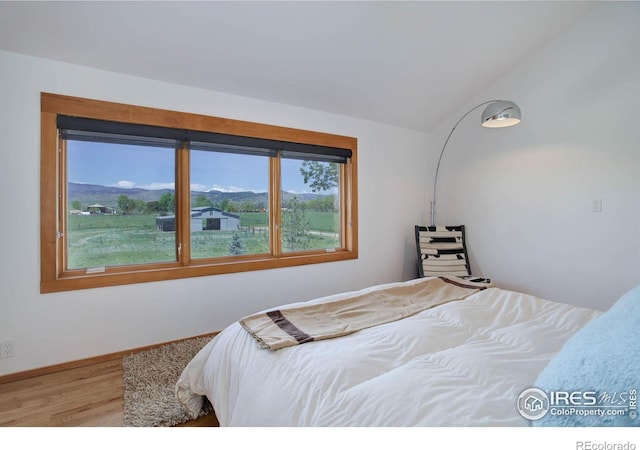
87, 396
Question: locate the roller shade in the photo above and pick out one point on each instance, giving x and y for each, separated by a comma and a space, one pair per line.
95, 130
293, 150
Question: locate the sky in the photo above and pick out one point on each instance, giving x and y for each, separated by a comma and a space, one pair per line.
153, 168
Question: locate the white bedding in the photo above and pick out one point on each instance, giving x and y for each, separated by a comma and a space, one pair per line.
459, 364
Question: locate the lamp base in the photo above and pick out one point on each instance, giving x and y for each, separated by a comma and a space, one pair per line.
433, 213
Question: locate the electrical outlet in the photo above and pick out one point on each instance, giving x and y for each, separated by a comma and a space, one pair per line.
596, 205
7, 349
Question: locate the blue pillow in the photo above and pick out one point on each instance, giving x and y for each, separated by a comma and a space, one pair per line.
598, 369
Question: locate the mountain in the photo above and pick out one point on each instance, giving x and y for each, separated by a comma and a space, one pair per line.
89, 194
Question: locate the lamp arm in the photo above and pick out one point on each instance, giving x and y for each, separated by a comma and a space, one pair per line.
435, 180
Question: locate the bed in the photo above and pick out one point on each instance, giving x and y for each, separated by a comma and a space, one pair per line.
460, 363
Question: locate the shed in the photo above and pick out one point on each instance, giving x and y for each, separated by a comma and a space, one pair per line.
202, 218
101, 209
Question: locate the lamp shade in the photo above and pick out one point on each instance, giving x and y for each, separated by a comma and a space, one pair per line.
501, 113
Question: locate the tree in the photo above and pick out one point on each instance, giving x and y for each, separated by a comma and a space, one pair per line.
236, 247
152, 207
201, 200
232, 206
125, 204
248, 206
139, 206
76, 205
224, 204
324, 203
320, 176
167, 202
295, 226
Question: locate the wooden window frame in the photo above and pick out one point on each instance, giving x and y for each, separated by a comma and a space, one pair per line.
53, 197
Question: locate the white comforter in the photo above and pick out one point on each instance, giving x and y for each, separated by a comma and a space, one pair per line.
460, 364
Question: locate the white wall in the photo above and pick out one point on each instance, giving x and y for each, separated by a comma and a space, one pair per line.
55, 328
525, 192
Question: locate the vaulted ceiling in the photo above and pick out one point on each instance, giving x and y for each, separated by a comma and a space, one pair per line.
400, 63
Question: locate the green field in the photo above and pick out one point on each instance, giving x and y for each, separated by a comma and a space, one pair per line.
325, 222
113, 240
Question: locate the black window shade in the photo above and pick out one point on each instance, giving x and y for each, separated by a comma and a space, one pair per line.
84, 129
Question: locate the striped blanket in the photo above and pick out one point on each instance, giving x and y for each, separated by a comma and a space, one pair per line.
293, 326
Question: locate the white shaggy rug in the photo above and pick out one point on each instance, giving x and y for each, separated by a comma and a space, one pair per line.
149, 380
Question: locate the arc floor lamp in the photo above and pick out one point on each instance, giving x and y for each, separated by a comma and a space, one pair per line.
498, 114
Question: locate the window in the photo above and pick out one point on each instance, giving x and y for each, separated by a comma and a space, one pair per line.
132, 194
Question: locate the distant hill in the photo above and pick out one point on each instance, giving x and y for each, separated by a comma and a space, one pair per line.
89, 194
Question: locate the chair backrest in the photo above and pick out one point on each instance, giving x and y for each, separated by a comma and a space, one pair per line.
442, 251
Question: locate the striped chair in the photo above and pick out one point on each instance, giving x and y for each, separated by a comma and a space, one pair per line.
442, 251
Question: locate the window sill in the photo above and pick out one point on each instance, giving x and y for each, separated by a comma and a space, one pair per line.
77, 280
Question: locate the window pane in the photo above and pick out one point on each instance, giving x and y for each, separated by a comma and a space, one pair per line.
310, 205
229, 204
118, 200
